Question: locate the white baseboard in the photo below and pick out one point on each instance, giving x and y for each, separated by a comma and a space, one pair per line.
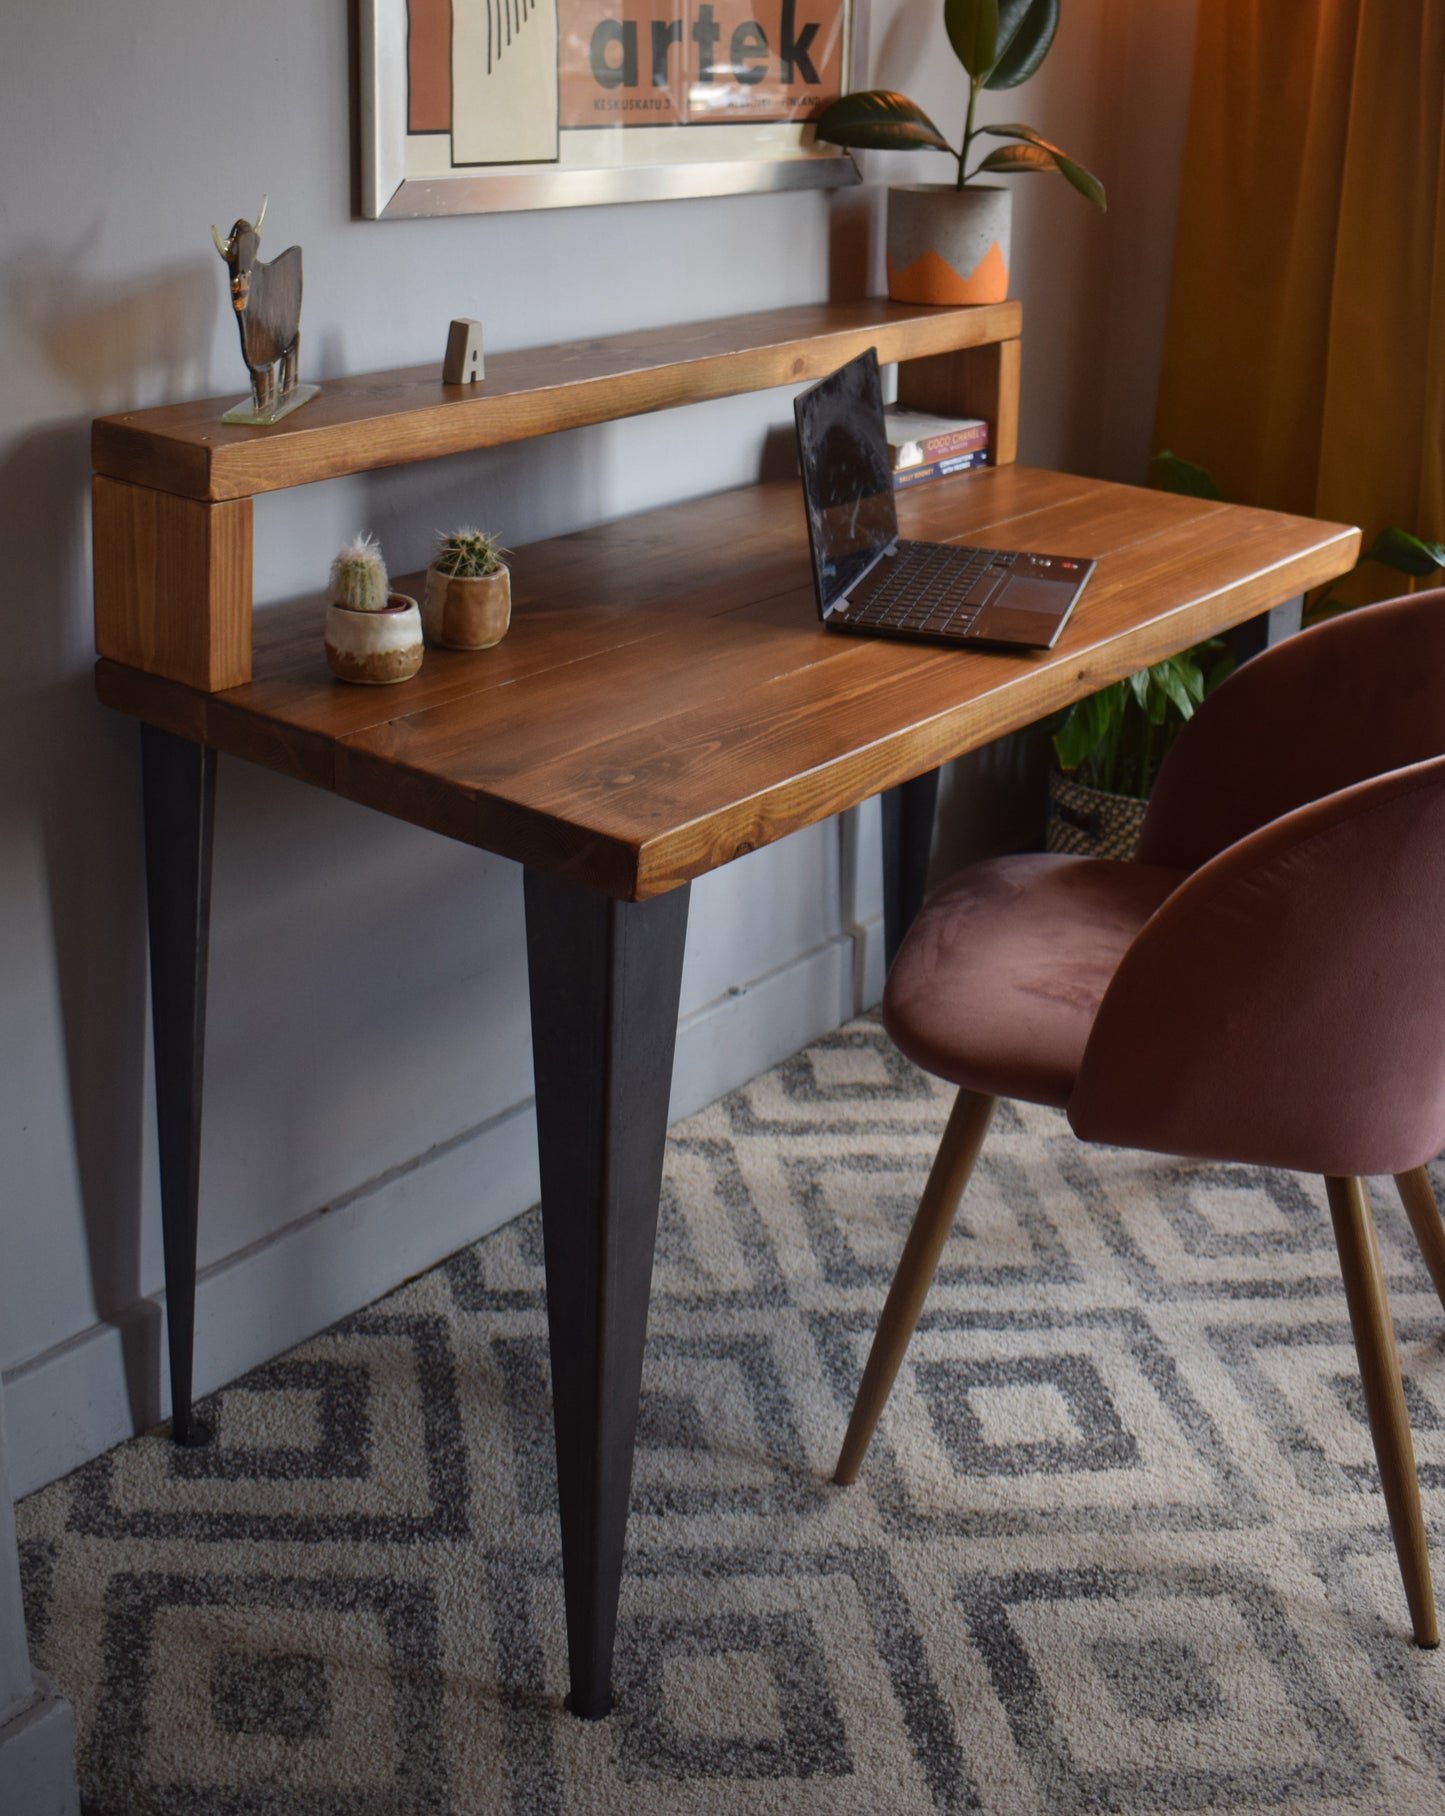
71, 1402
870, 965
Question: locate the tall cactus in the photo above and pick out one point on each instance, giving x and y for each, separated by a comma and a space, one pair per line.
358, 577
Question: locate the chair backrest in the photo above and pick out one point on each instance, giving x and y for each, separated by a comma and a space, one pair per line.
1286, 1004
1353, 697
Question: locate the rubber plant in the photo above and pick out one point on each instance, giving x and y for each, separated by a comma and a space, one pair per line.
1000, 44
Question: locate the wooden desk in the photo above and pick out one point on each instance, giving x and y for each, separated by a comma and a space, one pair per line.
665, 701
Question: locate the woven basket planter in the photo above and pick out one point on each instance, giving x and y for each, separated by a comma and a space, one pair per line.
1090, 823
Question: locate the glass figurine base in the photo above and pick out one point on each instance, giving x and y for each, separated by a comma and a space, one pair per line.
293, 400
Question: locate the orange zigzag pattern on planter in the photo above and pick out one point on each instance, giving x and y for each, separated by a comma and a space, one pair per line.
931, 279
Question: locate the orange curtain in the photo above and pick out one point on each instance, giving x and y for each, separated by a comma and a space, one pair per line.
1304, 362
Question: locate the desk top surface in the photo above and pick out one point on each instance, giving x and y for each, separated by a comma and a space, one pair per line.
667, 700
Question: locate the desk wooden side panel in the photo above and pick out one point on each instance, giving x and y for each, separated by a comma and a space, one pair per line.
172, 584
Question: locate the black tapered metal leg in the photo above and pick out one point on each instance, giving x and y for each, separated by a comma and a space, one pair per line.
605, 977
1256, 635
907, 840
179, 785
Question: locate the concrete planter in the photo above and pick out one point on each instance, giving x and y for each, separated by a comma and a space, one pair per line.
375, 648
463, 613
948, 245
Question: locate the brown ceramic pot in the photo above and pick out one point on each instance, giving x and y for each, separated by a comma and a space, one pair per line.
467, 613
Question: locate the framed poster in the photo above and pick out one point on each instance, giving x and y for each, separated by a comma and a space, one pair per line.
468, 106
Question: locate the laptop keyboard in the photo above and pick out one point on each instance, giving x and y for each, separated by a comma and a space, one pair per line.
932, 590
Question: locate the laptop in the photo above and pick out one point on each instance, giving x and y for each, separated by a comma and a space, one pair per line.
868, 580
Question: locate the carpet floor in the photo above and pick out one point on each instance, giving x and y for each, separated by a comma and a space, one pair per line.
1118, 1545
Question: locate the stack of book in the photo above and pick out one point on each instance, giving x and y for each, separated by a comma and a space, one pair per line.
922, 447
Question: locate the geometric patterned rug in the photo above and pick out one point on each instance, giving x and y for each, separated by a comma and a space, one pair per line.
1118, 1544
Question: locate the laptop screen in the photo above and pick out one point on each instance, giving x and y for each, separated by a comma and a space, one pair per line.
847, 481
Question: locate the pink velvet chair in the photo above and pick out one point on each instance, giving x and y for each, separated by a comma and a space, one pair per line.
1265, 983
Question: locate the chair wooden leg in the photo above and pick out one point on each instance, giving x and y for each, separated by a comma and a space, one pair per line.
1384, 1395
1418, 1197
967, 1125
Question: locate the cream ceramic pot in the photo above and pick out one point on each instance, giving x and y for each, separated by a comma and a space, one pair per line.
375, 648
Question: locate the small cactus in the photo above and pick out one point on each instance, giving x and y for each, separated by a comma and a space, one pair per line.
467, 554
358, 577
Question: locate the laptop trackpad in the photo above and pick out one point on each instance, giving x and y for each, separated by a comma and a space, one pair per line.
1002, 624
1025, 595
1026, 611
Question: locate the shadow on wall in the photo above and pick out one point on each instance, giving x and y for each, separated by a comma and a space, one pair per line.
850, 246
850, 251
109, 346
903, 45
117, 344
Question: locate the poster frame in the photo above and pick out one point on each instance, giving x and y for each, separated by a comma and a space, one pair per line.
777, 156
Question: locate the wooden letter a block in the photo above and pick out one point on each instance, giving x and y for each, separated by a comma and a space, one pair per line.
464, 364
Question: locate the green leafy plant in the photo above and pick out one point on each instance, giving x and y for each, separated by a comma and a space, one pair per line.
1118, 737
1000, 44
358, 577
468, 554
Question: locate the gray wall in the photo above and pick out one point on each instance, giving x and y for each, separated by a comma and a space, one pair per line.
366, 1117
